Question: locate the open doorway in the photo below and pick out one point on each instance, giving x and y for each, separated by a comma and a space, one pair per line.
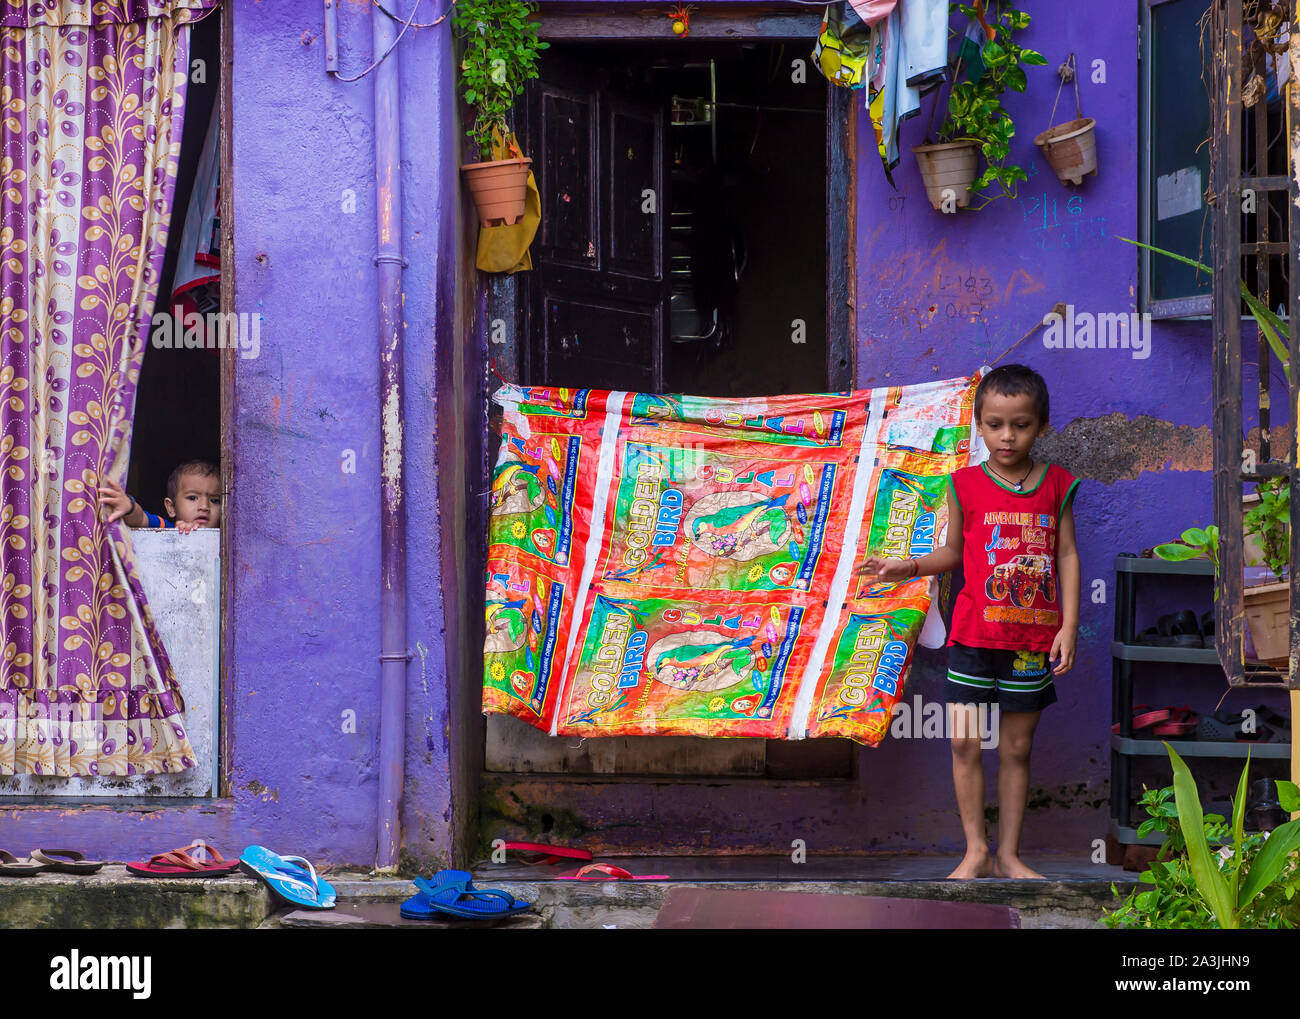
683, 239
688, 243
178, 400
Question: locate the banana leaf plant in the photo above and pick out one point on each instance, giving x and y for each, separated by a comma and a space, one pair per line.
1270, 324
1197, 542
1233, 897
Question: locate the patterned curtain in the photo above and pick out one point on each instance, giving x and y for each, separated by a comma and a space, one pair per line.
92, 94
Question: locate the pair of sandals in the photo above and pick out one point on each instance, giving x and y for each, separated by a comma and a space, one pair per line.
532, 853
198, 859
291, 879
1162, 722
1180, 629
64, 861
1268, 726
451, 895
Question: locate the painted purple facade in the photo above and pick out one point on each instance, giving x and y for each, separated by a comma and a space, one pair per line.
305, 537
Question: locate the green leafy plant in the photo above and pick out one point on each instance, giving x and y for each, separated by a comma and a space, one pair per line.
501, 55
1210, 873
975, 110
1196, 543
1268, 322
1269, 520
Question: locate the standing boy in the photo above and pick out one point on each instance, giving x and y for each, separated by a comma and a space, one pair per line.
1011, 529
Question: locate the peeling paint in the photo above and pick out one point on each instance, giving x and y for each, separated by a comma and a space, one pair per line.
1114, 447
392, 459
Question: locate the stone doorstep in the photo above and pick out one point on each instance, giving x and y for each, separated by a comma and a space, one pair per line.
113, 898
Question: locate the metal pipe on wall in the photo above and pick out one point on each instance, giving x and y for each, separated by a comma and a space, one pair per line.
389, 260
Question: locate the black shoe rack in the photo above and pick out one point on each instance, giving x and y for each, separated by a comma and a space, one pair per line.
1125, 654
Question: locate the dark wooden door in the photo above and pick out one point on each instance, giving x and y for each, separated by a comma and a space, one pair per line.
597, 309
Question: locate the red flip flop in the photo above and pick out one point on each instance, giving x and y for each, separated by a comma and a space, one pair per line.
615, 873
1182, 722
541, 852
1145, 716
203, 861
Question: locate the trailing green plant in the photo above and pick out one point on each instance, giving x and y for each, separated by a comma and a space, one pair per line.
501, 55
1208, 872
1269, 520
975, 110
1268, 322
1196, 543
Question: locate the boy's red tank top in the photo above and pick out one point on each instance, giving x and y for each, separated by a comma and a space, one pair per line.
1011, 597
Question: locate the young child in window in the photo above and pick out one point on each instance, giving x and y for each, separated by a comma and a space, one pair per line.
1011, 529
193, 499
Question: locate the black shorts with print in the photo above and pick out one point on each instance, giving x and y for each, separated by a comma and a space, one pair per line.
1014, 680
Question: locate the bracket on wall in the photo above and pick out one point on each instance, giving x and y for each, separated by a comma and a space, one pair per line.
331, 35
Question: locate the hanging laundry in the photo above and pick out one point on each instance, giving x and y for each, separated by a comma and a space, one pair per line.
871, 11
690, 566
925, 43
909, 59
841, 52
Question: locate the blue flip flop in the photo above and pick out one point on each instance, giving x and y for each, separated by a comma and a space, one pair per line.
292, 878
461, 899
420, 907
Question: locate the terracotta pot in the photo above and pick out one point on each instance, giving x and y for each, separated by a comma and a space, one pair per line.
948, 171
1070, 149
499, 189
1268, 613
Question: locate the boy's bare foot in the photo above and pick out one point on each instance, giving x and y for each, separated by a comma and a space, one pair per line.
1014, 867
973, 865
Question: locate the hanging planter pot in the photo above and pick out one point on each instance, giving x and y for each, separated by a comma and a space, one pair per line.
947, 170
1070, 148
499, 189
1268, 614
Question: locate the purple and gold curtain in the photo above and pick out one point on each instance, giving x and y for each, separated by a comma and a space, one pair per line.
92, 95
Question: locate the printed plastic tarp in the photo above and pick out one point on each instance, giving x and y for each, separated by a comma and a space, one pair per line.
689, 565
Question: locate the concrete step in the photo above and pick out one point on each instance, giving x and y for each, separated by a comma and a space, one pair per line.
1074, 895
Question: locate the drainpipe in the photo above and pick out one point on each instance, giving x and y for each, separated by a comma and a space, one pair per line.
393, 654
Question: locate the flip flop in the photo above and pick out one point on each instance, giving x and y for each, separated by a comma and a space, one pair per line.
204, 861
420, 907
11, 866
292, 878
463, 900
66, 861
615, 874
1182, 722
532, 853
1145, 716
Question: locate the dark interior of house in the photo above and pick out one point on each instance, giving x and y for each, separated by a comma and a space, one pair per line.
178, 401
744, 241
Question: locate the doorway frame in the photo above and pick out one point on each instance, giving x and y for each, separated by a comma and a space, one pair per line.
497, 301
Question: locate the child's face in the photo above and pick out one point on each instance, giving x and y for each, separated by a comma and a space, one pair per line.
1009, 425
198, 501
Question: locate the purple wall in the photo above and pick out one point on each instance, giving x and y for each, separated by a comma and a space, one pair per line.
304, 644
1144, 481
305, 536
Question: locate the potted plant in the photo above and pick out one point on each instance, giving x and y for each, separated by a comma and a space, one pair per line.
1211, 873
501, 52
976, 121
1070, 148
1268, 605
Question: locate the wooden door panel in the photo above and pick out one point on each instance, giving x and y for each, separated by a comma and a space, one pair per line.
590, 345
637, 202
567, 173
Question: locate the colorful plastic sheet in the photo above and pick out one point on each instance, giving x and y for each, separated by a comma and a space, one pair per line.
691, 566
